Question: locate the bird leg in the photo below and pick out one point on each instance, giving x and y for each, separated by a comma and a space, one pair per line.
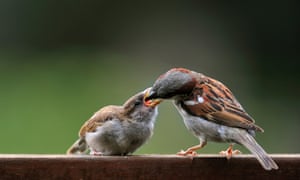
96, 153
229, 152
192, 150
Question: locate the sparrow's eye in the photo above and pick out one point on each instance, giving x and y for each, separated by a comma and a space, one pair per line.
137, 102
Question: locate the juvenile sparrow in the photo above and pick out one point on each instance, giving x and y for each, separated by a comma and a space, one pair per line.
118, 130
210, 112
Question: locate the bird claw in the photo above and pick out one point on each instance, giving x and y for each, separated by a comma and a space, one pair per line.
96, 153
229, 152
187, 153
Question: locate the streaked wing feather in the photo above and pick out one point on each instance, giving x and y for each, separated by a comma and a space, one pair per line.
99, 118
219, 106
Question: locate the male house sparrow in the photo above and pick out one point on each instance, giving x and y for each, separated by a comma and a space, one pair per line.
118, 130
210, 112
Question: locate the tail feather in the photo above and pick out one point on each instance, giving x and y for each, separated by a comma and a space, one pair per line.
79, 147
249, 142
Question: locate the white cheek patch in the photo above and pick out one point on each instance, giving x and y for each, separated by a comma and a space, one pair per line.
192, 102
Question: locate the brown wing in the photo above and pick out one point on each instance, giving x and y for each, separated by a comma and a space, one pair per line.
99, 118
215, 102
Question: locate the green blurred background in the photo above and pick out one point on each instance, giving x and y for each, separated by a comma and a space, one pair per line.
60, 61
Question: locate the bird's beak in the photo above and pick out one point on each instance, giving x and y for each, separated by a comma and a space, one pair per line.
149, 98
149, 94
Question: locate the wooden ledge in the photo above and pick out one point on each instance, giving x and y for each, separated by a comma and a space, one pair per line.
145, 167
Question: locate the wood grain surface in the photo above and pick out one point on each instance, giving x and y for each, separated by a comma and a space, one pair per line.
145, 167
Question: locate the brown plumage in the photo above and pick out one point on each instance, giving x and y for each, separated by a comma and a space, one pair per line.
210, 111
219, 105
118, 130
106, 113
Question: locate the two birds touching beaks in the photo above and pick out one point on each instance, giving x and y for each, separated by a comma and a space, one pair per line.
208, 108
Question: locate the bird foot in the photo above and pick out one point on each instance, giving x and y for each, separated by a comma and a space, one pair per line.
96, 153
192, 150
187, 153
229, 152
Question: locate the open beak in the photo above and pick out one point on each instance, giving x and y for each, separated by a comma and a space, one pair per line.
150, 102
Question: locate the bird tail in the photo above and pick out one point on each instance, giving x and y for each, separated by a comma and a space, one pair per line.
249, 142
79, 147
